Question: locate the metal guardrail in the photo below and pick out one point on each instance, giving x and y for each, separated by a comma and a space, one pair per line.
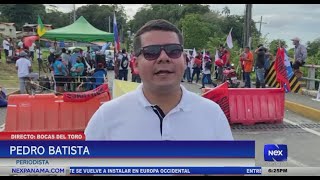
311, 79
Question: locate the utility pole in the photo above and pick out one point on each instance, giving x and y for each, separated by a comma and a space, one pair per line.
74, 18
260, 22
247, 25
74, 12
109, 24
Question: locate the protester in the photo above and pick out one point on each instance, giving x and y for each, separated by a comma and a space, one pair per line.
40, 60
196, 68
6, 47
134, 70
259, 66
23, 65
206, 76
60, 73
123, 60
248, 66
3, 97
300, 56
99, 76
160, 108
31, 51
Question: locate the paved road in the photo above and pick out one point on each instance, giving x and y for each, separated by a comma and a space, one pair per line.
300, 134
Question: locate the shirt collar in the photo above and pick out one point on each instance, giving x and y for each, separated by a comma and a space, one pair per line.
184, 103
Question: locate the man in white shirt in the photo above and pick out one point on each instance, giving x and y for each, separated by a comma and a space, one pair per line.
160, 108
6, 47
31, 50
23, 65
20, 44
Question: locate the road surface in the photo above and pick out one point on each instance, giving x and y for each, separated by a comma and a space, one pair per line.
300, 134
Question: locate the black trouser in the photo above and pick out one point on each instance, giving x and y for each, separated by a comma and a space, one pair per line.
196, 71
296, 65
123, 74
136, 78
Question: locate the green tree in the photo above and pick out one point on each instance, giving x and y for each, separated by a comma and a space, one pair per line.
195, 31
226, 11
22, 13
171, 12
56, 18
313, 47
274, 44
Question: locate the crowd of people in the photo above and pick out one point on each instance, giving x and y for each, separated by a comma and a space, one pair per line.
257, 61
79, 70
124, 62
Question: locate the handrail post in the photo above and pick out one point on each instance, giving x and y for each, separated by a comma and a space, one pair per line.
311, 74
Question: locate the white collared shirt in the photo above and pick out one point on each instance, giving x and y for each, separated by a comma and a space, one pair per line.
131, 117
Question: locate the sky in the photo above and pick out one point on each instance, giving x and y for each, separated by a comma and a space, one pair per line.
282, 21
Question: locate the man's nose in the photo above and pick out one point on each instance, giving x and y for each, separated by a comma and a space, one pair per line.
163, 57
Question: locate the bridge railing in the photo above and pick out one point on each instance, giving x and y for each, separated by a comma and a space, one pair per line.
311, 76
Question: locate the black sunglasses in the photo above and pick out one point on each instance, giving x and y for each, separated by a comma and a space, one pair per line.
153, 52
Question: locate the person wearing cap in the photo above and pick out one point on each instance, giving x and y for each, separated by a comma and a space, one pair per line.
300, 56
23, 65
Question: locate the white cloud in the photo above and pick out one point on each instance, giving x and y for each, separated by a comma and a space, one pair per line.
284, 21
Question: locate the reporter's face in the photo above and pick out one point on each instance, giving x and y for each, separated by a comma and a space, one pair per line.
165, 70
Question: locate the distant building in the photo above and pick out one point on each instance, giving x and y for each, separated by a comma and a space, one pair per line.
19, 34
31, 29
8, 29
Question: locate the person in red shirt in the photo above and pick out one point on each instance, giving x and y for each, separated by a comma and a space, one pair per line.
226, 57
196, 68
134, 70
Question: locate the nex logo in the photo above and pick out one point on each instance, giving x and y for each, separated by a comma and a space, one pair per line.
275, 152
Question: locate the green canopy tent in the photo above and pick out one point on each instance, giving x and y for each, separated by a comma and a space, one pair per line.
81, 30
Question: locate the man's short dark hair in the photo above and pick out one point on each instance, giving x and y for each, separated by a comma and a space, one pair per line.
247, 47
154, 25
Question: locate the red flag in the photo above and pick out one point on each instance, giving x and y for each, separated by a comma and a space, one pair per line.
27, 41
281, 70
220, 95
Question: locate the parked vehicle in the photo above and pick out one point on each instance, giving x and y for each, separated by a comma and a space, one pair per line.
230, 75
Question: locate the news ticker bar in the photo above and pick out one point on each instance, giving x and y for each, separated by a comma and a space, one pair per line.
162, 170
241, 162
127, 149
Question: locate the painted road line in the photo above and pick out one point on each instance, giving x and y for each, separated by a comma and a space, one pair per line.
304, 128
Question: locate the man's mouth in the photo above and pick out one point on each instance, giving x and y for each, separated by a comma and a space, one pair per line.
163, 72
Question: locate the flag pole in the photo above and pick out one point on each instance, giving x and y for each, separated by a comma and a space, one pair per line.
39, 57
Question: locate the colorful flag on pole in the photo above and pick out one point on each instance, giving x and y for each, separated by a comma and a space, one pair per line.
41, 30
281, 70
115, 33
229, 40
194, 53
288, 65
